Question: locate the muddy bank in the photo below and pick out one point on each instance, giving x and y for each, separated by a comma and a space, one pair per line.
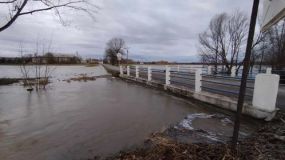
268, 142
7, 81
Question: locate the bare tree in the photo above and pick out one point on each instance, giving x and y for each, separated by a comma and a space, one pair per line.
210, 41
114, 46
223, 41
258, 51
25, 71
17, 8
35, 69
276, 44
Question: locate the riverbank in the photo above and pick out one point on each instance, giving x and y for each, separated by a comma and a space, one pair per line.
266, 143
7, 81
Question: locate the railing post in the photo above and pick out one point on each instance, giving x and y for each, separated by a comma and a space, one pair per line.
167, 75
268, 70
128, 70
121, 70
210, 70
198, 78
233, 71
149, 73
137, 71
265, 91
178, 68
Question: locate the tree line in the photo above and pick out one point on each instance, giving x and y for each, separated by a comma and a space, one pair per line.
47, 58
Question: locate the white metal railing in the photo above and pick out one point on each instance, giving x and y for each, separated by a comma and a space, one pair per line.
264, 87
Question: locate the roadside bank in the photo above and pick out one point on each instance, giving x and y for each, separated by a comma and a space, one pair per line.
266, 143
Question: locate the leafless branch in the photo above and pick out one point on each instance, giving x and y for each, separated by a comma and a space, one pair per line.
52, 7
7, 2
18, 8
223, 40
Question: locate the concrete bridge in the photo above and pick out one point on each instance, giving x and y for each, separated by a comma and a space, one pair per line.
202, 85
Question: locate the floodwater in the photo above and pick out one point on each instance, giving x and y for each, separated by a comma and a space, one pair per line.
79, 120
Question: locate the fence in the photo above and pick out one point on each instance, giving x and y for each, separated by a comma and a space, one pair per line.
197, 79
143, 72
183, 79
158, 75
226, 85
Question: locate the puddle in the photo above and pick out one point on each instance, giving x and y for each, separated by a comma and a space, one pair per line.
209, 128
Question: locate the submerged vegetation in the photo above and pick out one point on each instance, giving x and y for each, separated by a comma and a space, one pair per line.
81, 77
38, 73
91, 65
85, 78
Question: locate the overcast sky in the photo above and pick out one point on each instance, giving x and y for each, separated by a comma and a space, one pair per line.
153, 29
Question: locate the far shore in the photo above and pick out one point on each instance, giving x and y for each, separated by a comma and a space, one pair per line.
45, 64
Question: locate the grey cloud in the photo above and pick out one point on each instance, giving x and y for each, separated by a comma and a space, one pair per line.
151, 28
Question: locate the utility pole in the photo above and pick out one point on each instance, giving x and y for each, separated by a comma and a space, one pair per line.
246, 65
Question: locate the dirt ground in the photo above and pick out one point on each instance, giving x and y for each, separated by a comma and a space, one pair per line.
266, 143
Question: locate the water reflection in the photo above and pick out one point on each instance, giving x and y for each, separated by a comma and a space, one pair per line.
82, 119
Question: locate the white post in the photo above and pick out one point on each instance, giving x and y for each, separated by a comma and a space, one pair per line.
167, 75
198, 78
233, 71
137, 71
128, 70
121, 70
178, 68
210, 70
149, 73
268, 70
265, 92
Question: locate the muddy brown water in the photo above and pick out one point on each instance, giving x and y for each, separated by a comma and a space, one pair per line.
79, 120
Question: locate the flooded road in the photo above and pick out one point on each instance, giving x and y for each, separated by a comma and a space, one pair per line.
79, 120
